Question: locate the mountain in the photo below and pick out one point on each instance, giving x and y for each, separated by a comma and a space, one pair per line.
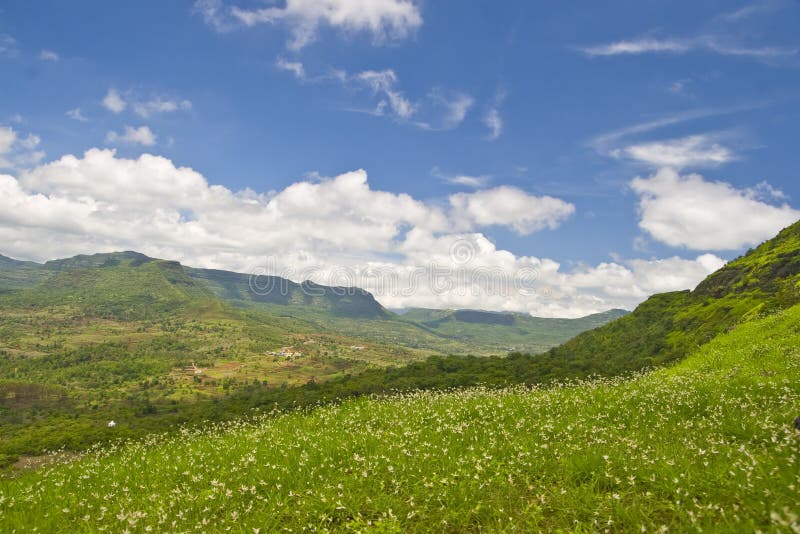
130, 285
129, 275
506, 331
15, 274
242, 288
153, 344
668, 326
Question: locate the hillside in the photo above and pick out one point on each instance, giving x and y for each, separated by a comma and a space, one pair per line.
707, 445
129, 285
121, 335
508, 332
669, 326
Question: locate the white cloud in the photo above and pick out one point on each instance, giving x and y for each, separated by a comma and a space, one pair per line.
8, 45
512, 207
48, 55
688, 211
638, 46
708, 43
114, 102
142, 135
691, 151
76, 114
147, 108
393, 102
215, 14
332, 230
493, 120
17, 151
7, 139
474, 181
383, 19
440, 109
295, 67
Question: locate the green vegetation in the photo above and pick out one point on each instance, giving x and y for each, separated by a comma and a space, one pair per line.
125, 337
705, 445
506, 332
670, 326
347, 431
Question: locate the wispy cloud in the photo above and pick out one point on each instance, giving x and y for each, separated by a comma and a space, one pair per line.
606, 141
144, 107
8, 45
637, 46
694, 151
147, 108
49, 55
708, 43
756, 8
474, 181
76, 114
142, 135
295, 67
439, 109
392, 101
492, 119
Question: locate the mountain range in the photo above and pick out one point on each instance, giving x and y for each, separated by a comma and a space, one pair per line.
151, 344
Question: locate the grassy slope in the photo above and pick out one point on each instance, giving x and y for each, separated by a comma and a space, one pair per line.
669, 326
705, 444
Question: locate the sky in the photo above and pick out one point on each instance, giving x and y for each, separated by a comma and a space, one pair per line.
553, 158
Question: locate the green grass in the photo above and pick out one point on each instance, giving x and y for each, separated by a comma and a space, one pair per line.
707, 444
669, 326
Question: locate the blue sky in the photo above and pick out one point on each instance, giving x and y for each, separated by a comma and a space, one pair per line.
467, 108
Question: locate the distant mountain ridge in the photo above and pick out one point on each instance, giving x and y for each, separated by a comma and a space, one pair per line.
205, 283
129, 285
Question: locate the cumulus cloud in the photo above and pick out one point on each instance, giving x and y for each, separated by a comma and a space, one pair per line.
332, 230
142, 135
384, 20
512, 207
18, 151
688, 211
114, 102
691, 151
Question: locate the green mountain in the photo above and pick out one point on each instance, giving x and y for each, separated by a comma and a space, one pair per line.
129, 285
506, 331
669, 326
242, 289
125, 336
15, 274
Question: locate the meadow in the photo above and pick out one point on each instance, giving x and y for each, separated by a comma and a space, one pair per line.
704, 445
